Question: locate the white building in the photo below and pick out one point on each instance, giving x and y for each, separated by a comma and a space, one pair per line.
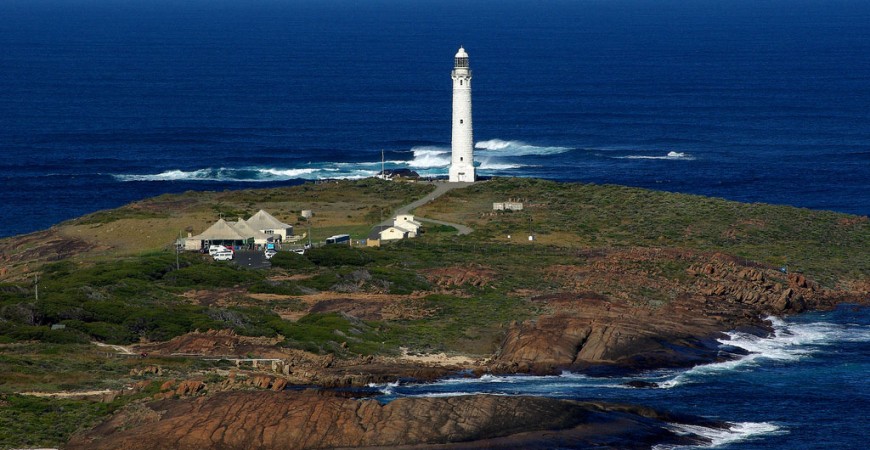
221, 232
268, 224
244, 229
406, 222
262, 228
462, 142
393, 234
507, 206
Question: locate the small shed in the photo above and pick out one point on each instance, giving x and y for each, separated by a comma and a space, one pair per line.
507, 206
374, 238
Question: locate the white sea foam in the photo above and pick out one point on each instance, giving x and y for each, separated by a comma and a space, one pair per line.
566, 384
288, 173
490, 165
741, 431
454, 394
670, 156
426, 160
517, 148
789, 342
429, 157
254, 174
385, 388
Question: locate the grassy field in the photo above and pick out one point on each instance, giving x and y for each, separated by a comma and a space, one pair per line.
828, 246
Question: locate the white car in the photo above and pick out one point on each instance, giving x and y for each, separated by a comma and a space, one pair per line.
299, 251
222, 255
212, 249
270, 253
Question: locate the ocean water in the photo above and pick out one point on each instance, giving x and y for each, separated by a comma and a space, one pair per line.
805, 387
103, 102
107, 101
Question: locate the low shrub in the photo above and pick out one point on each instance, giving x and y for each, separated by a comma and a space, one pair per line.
339, 255
291, 261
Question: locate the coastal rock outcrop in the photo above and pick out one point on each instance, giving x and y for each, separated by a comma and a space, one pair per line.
620, 312
312, 420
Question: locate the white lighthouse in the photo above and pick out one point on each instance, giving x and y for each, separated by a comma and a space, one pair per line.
462, 143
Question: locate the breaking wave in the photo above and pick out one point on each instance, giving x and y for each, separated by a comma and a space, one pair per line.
737, 432
429, 157
517, 148
496, 166
251, 174
669, 156
789, 342
492, 157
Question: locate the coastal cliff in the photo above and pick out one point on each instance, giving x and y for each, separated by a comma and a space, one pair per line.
310, 420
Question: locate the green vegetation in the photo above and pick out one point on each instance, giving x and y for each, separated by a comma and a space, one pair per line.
331, 333
465, 325
827, 246
38, 422
113, 215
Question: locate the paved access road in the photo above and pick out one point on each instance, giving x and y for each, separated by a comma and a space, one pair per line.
441, 187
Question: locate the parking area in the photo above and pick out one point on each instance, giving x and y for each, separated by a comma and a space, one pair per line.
253, 259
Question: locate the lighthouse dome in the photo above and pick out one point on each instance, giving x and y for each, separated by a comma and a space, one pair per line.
461, 53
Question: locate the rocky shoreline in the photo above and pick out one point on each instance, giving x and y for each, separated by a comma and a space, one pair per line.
588, 332
316, 420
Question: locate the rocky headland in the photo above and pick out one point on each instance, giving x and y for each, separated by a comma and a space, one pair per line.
320, 420
582, 329
210, 355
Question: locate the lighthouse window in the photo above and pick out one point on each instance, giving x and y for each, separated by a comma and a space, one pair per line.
460, 121
460, 82
460, 159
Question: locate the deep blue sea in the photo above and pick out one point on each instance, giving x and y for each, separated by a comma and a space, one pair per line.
107, 101
103, 102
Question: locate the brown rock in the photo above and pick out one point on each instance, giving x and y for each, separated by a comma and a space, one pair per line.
189, 387
139, 385
587, 332
797, 280
261, 381
279, 384
306, 420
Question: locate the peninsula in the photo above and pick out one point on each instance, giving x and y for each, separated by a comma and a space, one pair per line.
112, 338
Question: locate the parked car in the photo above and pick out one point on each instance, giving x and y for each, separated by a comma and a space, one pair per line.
299, 251
223, 255
270, 253
212, 249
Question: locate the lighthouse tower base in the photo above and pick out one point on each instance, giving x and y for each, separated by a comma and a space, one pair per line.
462, 174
